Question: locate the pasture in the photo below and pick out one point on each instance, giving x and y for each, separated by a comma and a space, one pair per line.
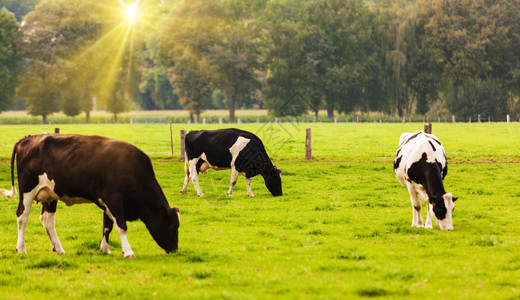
340, 231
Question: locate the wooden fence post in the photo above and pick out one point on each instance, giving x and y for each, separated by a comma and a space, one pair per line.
428, 128
171, 136
56, 130
479, 118
508, 119
183, 137
452, 118
308, 144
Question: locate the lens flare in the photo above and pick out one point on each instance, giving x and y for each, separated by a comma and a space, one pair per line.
132, 13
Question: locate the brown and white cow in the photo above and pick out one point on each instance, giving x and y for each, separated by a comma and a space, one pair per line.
235, 149
420, 165
114, 175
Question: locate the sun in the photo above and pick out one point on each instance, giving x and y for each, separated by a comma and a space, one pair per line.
132, 13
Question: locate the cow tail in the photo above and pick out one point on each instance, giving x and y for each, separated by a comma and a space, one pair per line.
10, 194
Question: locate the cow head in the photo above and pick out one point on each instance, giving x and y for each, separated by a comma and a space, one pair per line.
167, 229
273, 181
442, 209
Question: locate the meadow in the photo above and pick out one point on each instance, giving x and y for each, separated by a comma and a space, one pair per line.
340, 231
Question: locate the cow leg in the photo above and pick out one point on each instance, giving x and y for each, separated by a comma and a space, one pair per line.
187, 172
428, 224
233, 181
22, 213
115, 212
48, 221
416, 207
248, 184
194, 176
107, 228
186, 181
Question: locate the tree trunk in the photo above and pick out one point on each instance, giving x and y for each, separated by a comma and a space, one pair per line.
232, 108
87, 117
44, 119
330, 111
197, 116
115, 118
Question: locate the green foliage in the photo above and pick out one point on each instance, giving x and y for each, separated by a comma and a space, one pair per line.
395, 56
9, 58
476, 95
19, 7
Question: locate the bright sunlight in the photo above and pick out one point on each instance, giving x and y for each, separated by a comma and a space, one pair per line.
132, 13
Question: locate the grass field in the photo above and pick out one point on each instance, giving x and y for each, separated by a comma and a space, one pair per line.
341, 230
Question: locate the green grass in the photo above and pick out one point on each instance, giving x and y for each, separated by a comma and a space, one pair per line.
341, 231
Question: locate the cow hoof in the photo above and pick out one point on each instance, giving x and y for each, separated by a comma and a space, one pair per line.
200, 195
130, 256
251, 196
183, 192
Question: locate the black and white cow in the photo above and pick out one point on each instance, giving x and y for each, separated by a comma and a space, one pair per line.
240, 150
420, 165
114, 175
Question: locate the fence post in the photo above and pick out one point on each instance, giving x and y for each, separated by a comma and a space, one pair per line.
308, 144
57, 130
171, 136
183, 137
479, 118
452, 118
428, 128
508, 119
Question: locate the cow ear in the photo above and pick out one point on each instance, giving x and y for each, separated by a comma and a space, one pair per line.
455, 199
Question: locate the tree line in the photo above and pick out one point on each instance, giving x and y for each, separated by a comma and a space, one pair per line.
400, 57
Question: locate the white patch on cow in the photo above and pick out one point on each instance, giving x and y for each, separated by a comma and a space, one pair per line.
194, 176
428, 224
43, 192
48, 221
105, 247
446, 223
238, 146
233, 181
235, 150
248, 184
125, 246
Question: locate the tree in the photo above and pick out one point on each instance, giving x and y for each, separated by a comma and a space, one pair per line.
185, 54
157, 91
41, 46
476, 43
10, 57
19, 7
338, 51
285, 92
234, 55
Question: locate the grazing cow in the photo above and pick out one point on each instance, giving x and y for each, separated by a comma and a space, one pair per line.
114, 175
420, 165
237, 149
